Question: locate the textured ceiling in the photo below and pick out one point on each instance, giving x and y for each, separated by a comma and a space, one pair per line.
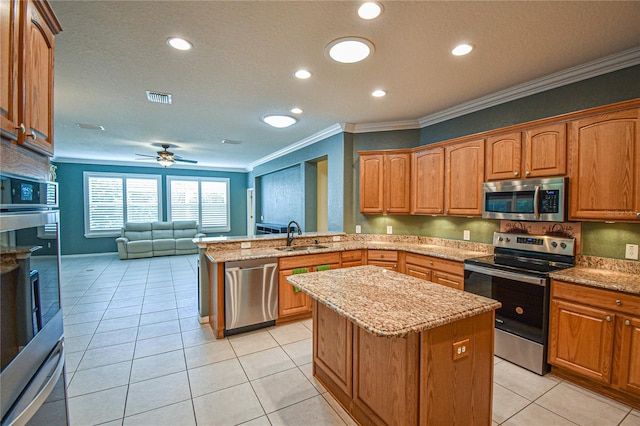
245, 53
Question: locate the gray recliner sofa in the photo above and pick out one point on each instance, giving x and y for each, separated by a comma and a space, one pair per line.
148, 239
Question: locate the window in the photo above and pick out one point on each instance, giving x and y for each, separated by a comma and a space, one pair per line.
112, 197
205, 200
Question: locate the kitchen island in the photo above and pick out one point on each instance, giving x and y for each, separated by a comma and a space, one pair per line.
394, 349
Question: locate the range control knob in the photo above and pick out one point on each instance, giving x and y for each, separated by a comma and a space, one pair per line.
554, 244
508, 239
563, 245
500, 239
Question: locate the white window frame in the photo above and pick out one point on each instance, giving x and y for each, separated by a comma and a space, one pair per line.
88, 233
226, 181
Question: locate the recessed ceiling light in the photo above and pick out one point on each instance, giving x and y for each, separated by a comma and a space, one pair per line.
296, 110
279, 121
349, 50
370, 10
462, 49
302, 74
179, 43
378, 93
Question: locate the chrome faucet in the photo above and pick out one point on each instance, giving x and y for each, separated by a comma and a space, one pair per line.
290, 232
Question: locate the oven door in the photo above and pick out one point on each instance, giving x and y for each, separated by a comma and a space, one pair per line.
524, 300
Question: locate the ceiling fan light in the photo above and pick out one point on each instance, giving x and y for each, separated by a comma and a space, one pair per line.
166, 161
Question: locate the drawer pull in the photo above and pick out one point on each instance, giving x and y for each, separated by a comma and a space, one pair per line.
608, 318
618, 302
627, 322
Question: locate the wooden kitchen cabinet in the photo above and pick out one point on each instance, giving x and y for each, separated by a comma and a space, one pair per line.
294, 305
385, 182
427, 181
544, 151
594, 338
503, 154
387, 259
604, 167
351, 258
440, 271
464, 174
28, 39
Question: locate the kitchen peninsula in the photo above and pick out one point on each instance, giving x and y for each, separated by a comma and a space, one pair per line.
395, 349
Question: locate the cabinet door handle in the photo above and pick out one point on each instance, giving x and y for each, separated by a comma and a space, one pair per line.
22, 128
440, 211
638, 214
515, 173
527, 173
608, 318
447, 211
618, 302
627, 322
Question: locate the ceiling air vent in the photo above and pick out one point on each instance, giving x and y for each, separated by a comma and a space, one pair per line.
231, 142
158, 97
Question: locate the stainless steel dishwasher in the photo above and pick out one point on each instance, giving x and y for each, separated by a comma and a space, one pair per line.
250, 295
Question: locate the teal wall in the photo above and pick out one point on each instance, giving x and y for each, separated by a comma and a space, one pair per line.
339, 183
71, 201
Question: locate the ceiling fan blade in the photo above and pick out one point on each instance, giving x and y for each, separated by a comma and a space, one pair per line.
185, 161
146, 159
145, 155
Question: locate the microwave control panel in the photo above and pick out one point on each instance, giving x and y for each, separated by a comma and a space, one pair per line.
549, 201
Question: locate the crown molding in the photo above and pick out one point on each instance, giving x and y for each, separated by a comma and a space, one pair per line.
149, 165
316, 137
385, 126
591, 69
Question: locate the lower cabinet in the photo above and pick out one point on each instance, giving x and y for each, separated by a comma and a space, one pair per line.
292, 303
387, 259
437, 270
351, 258
594, 338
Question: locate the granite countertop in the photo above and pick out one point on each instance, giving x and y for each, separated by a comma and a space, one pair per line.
389, 303
602, 278
449, 253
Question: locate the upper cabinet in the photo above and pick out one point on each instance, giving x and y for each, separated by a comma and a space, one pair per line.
503, 156
604, 170
464, 174
537, 152
385, 182
427, 181
28, 29
545, 151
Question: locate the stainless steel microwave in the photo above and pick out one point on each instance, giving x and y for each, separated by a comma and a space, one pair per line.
532, 200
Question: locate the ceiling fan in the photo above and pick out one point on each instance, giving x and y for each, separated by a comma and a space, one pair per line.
166, 158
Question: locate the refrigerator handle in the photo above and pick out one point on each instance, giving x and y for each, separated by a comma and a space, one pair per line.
25, 415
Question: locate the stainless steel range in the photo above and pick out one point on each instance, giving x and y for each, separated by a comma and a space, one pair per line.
517, 275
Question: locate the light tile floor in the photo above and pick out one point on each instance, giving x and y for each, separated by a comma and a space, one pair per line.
137, 355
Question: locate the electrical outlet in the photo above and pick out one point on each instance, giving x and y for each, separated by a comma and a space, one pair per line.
389, 229
245, 245
461, 349
336, 238
631, 252
466, 235
358, 229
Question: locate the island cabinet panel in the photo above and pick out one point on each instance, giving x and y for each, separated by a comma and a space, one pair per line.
447, 396
292, 303
604, 167
464, 174
387, 259
385, 379
545, 151
333, 351
427, 181
503, 156
594, 339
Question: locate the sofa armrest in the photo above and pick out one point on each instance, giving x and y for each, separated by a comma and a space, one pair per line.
121, 242
199, 235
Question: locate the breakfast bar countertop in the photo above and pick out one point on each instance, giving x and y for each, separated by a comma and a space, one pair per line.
388, 303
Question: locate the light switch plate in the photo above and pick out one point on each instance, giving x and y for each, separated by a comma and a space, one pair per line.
358, 229
466, 235
389, 229
631, 251
245, 245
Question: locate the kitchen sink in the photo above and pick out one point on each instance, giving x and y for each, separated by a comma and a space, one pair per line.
298, 248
